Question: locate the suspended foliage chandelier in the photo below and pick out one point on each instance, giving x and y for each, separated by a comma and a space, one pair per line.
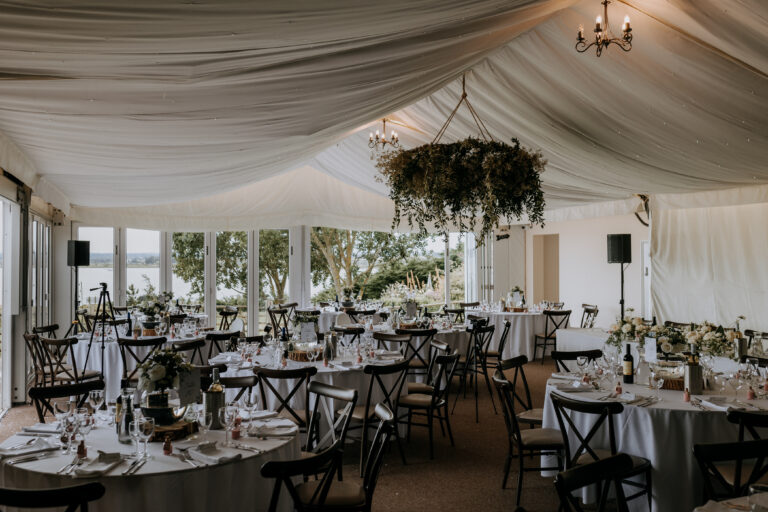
380, 141
603, 35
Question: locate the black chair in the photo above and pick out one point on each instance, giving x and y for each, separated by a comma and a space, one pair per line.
325, 493
74, 497
437, 348
588, 316
191, 350
321, 391
420, 338
302, 377
42, 396
243, 383
403, 341
357, 315
601, 473
749, 421
362, 415
59, 360
474, 363
49, 331
585, 453
435, 404
535, 442
455, 315
528, 415
348, 333
228, 314
561, 356
730, 468
553, 320
128, 351
217, 340
495, 354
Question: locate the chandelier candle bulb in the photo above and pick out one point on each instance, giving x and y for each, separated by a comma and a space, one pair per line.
581, 32
626, 24
598, 24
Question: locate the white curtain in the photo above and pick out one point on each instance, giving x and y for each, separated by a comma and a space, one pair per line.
710, 264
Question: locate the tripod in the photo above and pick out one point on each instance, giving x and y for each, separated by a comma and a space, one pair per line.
100, 318
75, 326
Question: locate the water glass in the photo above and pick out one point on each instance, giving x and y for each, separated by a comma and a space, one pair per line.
227, 417
204, 421
146, 429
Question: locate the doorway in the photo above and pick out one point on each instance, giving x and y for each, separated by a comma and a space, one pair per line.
546, 268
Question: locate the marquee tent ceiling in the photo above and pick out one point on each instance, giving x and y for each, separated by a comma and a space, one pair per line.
189, 112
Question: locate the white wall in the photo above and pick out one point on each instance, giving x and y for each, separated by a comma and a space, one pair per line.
508, 261
585, 275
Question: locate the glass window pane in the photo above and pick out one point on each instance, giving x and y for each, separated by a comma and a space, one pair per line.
232, 274
273, 270
101, 265
188, 268
143, 264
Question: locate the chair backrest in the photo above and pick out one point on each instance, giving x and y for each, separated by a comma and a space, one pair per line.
216, 340
560, 356
588, 316
604, 473
348, 334
35, 351
713, 458
48, 330
322, 391
480, 339
206, 372
42, 396
59, 358
74, 497
278, 317
191, 350
517, 363
437, 348
390, 394
456, 315
419, 339
557, 305
441, 384
466, 305
604, 411
176, 319
503, 338
506, 396
128, 352
376, 454
760, 362
302, 376
357, 315
555, 320
475, 320
401, 339
242, 383
228, 314
749, 421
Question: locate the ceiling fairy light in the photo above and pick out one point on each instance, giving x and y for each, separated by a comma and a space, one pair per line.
380, 141
603, 35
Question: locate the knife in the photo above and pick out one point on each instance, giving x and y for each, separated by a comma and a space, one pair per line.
29, 458
128, 471
138, 466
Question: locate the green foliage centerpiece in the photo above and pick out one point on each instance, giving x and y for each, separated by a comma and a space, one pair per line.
453, 186
161, 372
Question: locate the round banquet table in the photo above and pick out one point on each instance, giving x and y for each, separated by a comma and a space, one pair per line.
164, 483
663, 433
522, 330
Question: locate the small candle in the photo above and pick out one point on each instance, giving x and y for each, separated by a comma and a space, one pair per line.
581, 31
686, 395
626, 23
598, 24
750, 393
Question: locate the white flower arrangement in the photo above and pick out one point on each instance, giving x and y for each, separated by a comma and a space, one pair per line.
628, 329
162, 371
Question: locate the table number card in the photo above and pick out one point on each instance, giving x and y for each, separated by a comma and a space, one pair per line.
189, 387
308, 332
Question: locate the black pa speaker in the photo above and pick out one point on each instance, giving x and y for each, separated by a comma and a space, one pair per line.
78, 253
620, 248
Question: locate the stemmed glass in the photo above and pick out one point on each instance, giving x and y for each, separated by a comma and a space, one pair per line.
141, 430
312, 353
582, 362
657, 380
96, 400
227, 416
85, 422
204, 421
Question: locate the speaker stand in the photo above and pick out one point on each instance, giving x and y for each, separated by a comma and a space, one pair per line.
621, 302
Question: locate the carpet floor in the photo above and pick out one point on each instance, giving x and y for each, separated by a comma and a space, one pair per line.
466, 477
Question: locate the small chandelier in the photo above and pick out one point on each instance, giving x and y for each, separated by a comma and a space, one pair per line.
603, 35
379, 140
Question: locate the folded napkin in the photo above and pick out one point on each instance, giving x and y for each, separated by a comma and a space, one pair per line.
384, 362
98, 466
273, 429
36, 446
257, 415
566, 376
209, 453
718, 403
43, 428
225, 358
573, 387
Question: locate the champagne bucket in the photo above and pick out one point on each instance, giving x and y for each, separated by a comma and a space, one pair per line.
212, 402
694, 379
742, 346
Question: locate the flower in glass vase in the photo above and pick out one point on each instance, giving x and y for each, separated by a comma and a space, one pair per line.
162, 371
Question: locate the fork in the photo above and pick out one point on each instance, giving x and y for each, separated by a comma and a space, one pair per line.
20, 445
66, 466
76, 465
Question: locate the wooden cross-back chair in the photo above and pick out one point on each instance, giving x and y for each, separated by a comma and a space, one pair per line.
438, 348
729, 469
603, 474
584, 453
420, 338
561, 356
59, 361
357, 315
749, 422
588, 316
557, 306
536, 442
176, 318
217, 340
455, 315
468, 305
302, 378
279, 318
348, 334
474, 363
74, 498
47, 331
32, 342
390, 395
528, 415
227, 314
554, 320
43, 396
401, 340
242, 383
192, 350
129, 352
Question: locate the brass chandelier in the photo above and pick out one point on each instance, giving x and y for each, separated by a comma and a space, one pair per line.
380, 141
603, 35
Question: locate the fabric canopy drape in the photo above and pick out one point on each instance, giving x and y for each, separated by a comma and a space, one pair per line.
709, 264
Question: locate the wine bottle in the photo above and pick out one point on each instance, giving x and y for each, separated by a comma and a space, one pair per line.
629, 367
283, 335
213, 399
216, 385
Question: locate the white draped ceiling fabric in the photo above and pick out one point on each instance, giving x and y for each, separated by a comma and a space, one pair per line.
232, 114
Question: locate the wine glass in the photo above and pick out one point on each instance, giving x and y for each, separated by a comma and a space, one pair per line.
581, 362
227, 416
658, 382
146, 429
96, 399
135, 430
204, 421
85, 423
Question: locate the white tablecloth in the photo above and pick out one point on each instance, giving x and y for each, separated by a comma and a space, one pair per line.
522, 330
113, 363
663, 433
327, 320
165, 483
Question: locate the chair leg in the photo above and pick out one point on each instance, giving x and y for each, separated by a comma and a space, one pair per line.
507, 466
410, 419
649, 489
448, 425
440, 421
488, 383
430, 419
363, 444
519, 480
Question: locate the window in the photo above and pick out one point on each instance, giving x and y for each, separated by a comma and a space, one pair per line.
101, 268
232, 273
142, 260
273, 270
188, 267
